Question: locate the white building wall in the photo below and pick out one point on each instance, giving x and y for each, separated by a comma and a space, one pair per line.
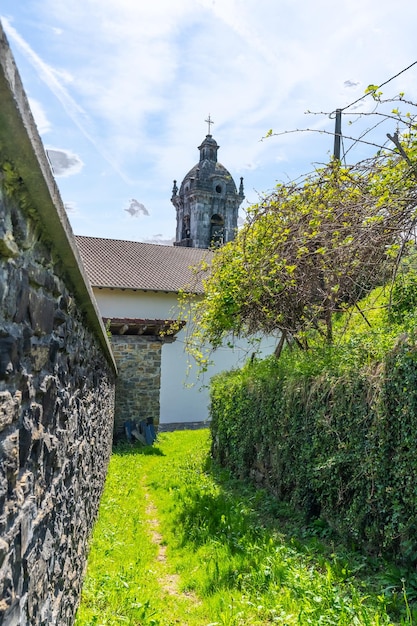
183, 398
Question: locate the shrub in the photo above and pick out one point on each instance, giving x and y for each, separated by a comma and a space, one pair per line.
333, 431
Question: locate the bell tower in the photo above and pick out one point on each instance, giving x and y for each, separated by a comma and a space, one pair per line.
207, 201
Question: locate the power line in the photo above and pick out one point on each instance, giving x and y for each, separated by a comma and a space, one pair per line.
338, 114
379, 87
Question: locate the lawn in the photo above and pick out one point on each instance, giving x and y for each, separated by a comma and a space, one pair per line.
178, 541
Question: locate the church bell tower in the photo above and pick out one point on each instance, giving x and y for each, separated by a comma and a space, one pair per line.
207, 201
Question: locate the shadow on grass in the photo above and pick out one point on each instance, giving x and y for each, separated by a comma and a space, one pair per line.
136, 448
246, 519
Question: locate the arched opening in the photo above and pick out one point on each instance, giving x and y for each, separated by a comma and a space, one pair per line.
186, 227
216, 230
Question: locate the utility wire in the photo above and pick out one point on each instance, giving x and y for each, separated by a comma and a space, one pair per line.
338, 112
379, 87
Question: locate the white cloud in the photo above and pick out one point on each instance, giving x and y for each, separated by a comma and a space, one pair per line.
71, 207
64, 162
136, 208
45, 71
351, 84
54, 80
159, 239
138, 79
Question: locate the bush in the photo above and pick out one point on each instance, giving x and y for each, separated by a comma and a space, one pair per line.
334, 433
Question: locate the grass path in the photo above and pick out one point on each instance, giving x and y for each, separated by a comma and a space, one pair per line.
179, 542
130, 579
168, 581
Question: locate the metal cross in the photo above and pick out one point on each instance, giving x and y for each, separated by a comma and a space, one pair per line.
209, 122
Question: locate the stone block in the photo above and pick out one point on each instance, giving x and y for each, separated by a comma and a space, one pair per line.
8, 246
41, 312
9, 356
22, 297
40, 355
11, 617
9, 408
9, 452
4, 550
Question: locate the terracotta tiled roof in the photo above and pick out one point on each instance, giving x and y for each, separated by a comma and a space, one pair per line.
122, 264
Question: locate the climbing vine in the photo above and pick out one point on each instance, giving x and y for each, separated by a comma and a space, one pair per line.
310, 249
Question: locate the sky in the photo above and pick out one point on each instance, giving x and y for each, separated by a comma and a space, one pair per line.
120, 91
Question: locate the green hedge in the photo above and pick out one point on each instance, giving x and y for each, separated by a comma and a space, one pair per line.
339, 446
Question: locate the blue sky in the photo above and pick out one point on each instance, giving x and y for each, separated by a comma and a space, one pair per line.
121, 89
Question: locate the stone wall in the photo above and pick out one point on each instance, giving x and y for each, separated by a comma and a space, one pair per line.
138, 360
56, 410
56, 382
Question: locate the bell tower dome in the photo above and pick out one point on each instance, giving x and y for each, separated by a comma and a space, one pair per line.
207, 201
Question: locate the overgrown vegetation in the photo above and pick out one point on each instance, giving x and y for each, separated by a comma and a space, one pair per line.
333, 430
329, 426
312, 248
179, 541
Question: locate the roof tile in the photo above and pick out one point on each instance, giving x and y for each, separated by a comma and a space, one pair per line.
120, 264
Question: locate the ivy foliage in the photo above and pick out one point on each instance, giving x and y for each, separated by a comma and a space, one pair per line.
334, 430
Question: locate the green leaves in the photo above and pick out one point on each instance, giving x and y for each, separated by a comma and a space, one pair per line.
374, 91
311, 248
304, 252
335, 428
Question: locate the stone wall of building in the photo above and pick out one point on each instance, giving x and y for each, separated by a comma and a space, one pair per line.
138, 359
56, 382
